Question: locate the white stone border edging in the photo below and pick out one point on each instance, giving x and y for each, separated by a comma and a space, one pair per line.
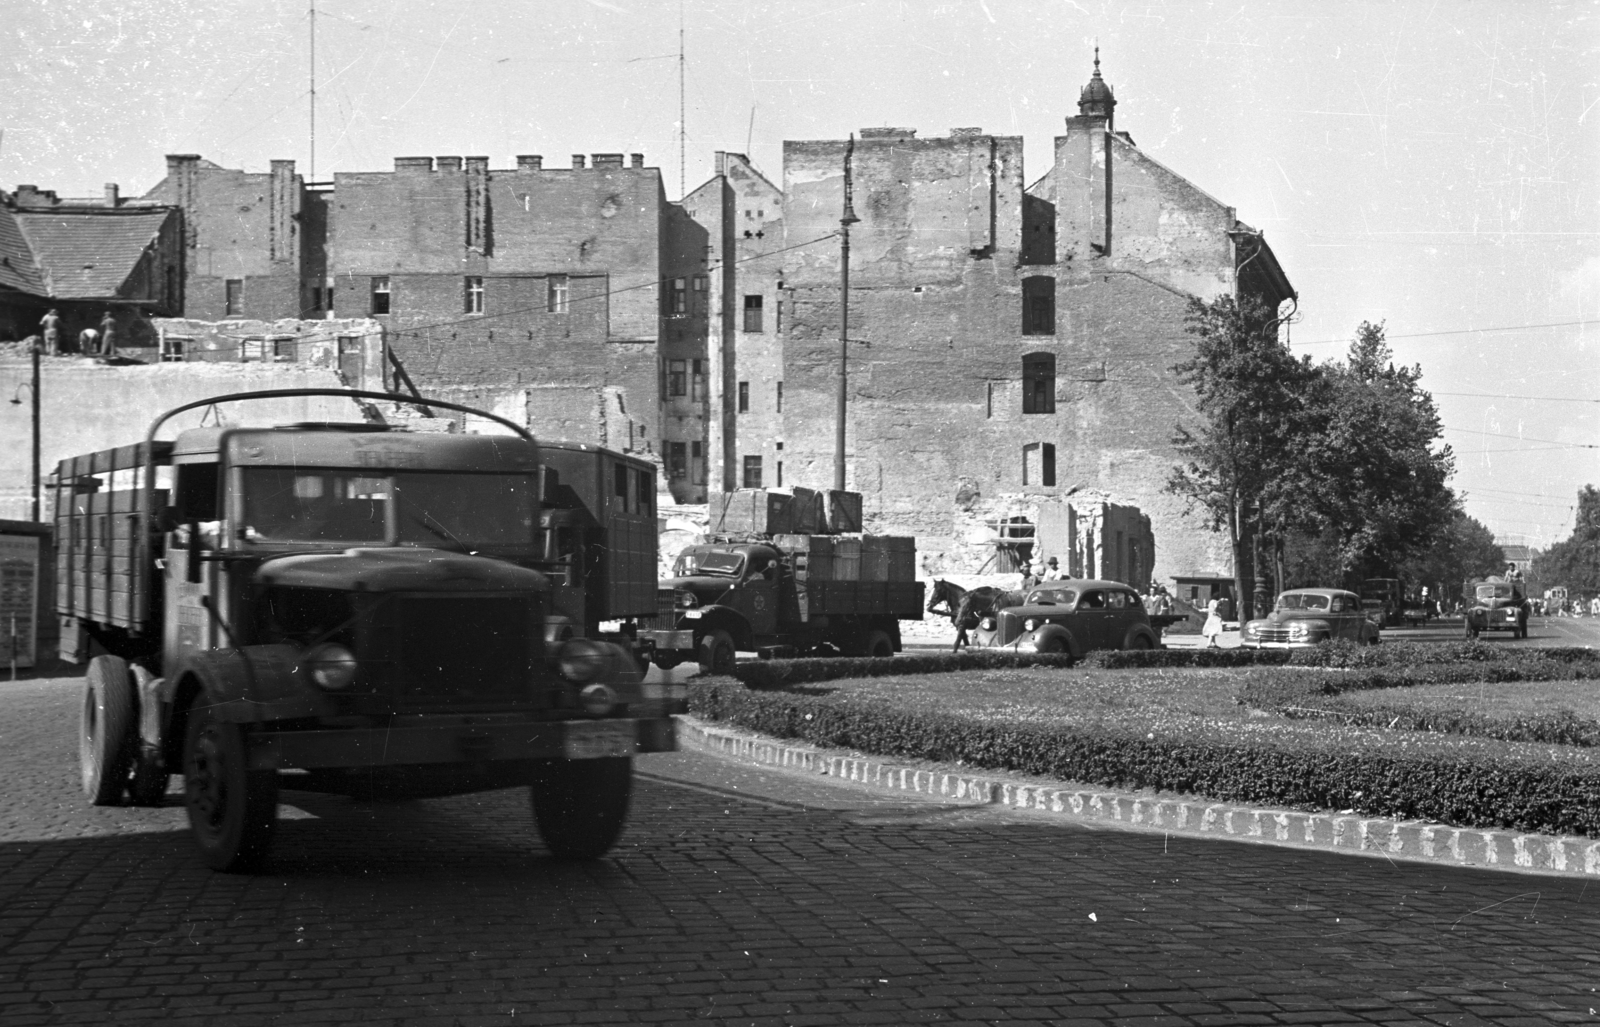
1405, 839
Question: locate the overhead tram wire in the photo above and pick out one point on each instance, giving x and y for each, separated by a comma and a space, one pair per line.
1453, 331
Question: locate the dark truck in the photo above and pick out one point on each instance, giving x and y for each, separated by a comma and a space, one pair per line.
1496, 605
783, 595
1383, 599
339, 608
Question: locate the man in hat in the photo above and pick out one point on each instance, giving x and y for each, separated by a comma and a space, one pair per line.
1053, 570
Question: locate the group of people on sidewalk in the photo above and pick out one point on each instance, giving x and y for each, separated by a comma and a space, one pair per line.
101, 342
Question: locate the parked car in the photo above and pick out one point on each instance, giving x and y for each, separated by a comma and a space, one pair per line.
1071, 616
1305, 616
1497, 606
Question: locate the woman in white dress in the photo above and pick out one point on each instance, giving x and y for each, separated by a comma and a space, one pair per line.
1213, 625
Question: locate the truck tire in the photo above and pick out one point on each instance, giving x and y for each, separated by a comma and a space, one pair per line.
233, 810
107, 735
878, 645
579, 805
667, 662
716, 652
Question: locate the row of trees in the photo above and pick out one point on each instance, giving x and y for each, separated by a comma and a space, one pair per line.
1320, 474
1575, 562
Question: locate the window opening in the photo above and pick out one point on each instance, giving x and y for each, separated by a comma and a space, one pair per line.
380, 295
675, 378
556, 294
697, 381
752, 472
1039, 383
1039, 305
233, 297
744, 397
474, 303
752, 313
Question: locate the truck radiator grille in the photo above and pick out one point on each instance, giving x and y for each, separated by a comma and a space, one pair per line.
457, 650
666, 607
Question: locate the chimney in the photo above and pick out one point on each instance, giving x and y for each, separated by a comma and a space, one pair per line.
722, 162
577, 161
477, 163
113, 199
638, 160
447, 163
413, 163
530, 162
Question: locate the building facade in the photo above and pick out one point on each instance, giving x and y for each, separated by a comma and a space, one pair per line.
1011, 345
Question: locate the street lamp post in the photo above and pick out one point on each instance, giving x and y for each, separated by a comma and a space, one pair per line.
847, 219
33, 387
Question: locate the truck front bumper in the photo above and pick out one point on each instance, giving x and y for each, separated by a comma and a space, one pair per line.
455, 741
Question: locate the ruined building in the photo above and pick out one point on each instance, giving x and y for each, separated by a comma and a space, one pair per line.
1010, 344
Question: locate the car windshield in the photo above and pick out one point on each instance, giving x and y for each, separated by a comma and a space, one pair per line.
288, 504
722, 564
1494, 591
1302, 601
1059, 596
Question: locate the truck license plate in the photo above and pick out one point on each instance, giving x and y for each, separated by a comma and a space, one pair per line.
597, 739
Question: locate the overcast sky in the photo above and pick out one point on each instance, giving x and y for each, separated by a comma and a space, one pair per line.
1433, 165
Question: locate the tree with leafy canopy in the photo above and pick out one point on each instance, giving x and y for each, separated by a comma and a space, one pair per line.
1464, 551
1251, 398
1575, 561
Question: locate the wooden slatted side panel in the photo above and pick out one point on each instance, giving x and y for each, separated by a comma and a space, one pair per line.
103, 574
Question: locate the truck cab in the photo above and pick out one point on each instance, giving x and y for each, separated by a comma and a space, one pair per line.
341, 608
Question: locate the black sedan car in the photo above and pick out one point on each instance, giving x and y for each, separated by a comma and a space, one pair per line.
1071, 616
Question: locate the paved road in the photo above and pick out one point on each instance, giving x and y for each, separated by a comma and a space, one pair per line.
742, 896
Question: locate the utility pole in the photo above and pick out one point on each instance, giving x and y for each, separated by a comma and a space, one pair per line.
311, 174
845, 221
683, 111
37, 346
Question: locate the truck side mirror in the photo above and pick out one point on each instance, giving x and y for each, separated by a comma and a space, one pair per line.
194, 553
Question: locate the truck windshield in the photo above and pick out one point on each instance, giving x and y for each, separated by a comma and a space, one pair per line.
1494, 591
720, 564
289, 504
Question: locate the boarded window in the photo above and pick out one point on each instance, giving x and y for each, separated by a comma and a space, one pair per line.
233, 297
752, 472
752, 313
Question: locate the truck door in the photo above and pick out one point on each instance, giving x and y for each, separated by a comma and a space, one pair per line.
191, 578
760, 592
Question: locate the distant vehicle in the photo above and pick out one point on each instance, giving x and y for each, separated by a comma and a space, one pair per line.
1497, 606
1384, 601
1418, 611
1071, 616
1303, 617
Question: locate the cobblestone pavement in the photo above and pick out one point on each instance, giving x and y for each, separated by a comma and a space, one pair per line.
741, 896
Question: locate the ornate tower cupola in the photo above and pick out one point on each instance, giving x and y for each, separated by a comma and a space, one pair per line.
1096, 100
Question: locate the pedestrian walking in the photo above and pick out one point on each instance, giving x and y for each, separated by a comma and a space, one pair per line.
1213, 625
108, 335
51, 323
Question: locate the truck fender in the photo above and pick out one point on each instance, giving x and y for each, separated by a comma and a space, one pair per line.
254, 684
1051, 634
727, 619
621, 672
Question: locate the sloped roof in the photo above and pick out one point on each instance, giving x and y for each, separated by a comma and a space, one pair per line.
87, 255
17, 267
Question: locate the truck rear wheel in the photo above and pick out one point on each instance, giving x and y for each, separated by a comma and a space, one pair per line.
716, 652
233, 810
579, 805
879, 645
107, 730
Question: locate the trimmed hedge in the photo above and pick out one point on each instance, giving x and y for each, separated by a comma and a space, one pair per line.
784, 673
1466, 788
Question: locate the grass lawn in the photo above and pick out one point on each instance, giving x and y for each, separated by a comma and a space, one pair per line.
1501, 699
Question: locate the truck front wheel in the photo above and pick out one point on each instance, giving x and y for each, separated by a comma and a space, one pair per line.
579, 805
716, 652
233, 810
106, 739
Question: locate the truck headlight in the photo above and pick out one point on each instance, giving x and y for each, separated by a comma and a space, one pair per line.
688, 600
331, 667
580, 660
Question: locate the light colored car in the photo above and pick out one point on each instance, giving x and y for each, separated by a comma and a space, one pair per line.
1070, 616
1305, 616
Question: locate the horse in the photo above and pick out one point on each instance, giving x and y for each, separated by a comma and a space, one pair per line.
965, 607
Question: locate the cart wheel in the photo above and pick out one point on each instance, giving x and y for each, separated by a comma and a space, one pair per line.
106, 734
233, 810
579, 805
